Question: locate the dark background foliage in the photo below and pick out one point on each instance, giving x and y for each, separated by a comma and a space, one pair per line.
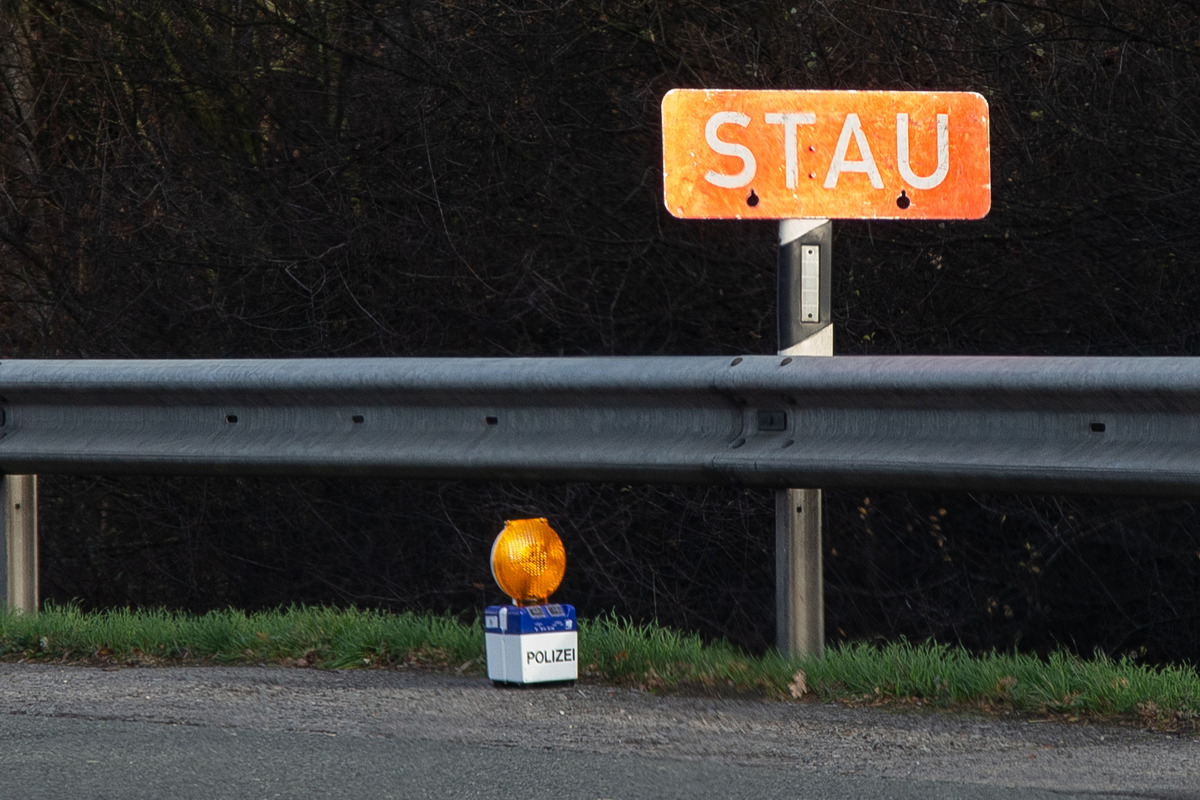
230, 178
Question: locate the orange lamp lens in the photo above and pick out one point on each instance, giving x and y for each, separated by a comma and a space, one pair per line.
528, 561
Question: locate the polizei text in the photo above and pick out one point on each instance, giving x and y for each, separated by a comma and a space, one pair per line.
558, 656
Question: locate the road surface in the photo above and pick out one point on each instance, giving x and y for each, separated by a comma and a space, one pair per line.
260, 732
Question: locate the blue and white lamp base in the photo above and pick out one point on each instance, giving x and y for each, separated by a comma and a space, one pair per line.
531, 644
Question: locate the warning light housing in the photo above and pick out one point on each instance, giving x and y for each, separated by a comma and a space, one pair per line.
528, 561
532, 641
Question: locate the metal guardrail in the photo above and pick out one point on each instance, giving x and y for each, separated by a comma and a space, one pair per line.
1129, 425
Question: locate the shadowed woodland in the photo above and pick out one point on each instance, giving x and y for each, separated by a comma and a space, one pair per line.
237, 178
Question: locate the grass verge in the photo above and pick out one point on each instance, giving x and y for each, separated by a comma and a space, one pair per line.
896, 674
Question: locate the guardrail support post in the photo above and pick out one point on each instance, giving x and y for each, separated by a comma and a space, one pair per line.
805, 329
20, 568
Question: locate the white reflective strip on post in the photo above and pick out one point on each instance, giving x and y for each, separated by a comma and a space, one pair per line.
810, 283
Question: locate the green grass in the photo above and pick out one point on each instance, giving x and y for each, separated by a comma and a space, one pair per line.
1062, 684
322, 637
898, 674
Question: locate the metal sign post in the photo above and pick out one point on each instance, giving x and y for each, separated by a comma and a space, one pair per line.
19, 570
805, 329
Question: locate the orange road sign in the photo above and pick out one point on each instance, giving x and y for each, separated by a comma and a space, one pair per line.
837, 155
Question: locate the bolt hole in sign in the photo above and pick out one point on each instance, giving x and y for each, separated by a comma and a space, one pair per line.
731, 154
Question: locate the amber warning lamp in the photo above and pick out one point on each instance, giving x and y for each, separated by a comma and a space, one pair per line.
532, 640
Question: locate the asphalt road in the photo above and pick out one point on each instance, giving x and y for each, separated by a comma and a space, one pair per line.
249, 732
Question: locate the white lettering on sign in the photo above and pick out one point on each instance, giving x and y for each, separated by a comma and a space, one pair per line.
943, 153
791, 123
749, 166
841, 161
852, 127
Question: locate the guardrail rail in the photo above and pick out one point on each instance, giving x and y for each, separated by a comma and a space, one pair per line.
1044, 425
